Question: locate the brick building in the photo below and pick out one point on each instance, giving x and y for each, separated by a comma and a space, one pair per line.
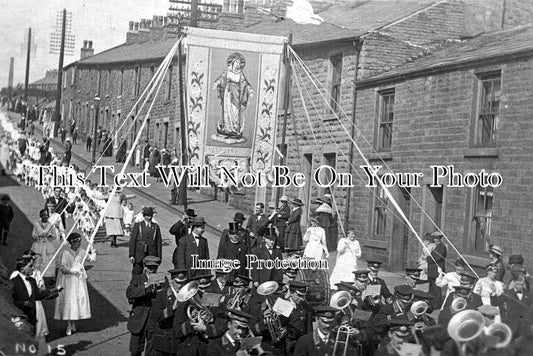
465, 106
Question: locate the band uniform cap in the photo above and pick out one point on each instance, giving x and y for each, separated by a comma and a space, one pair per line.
204, 280
284, 198
488, 310
222, 271
73, 237
374, 264
361, 274
197, 221
190, 213
241, 280
436, 234
239, 315
412, 271
239, 217
297, 201
516, 260
294, 251
497, 250
151, 261
180, 275
346, 286
298, 287
467, 278
462, 288
401, 327
148, 211
422, 295
404, 289
291, 272
326, 313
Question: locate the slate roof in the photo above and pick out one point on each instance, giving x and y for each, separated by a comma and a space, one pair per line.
488, 47
135, 52
48, 80
342, 22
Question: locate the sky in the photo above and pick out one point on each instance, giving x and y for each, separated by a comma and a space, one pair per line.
105, 22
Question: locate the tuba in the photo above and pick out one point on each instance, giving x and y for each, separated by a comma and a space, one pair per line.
195, 310
342, 301
465, 327
272, 321
458, 305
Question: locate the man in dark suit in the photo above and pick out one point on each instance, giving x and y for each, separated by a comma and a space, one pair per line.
256, 224
232, 245
436, 264
293, 232
163, 310
229, 344
141, 295
299, 321
473, 301
181, 228
279, 220
220, 284
321, 341
6, 216
194, 244
373, 279
398, 309
60, 205
145, 240
266, 252
25, 291
515, 306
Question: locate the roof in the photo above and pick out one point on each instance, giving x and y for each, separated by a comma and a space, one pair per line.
491, 47
48, 80
135, 52
342, 22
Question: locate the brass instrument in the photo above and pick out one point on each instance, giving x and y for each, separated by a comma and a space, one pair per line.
342, 300
239, 299
458, 305
195, 310
272, 321
501, 331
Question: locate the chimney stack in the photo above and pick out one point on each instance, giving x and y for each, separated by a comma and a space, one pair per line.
132, 36
87, 49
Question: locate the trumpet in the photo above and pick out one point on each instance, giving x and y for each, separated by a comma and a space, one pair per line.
239, 299
195, 310
341, 301
458, 305
272, 321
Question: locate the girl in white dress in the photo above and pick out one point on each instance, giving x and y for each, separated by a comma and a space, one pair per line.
315, 236
348, 251
47, 235
73, 304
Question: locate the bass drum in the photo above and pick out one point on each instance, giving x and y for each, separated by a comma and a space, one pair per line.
318, 282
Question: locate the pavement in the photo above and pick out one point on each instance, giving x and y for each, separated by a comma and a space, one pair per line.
108, 277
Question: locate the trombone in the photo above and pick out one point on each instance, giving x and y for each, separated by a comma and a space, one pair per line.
342, 301
272, 321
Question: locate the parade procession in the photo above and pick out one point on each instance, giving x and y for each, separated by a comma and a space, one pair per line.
268, 177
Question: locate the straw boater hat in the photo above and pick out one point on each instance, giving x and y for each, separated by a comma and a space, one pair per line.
297, 201
497, 250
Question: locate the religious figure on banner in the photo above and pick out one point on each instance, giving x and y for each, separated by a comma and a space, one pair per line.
234, 90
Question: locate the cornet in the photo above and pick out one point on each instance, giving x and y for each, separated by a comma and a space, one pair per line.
272, 321
195, 310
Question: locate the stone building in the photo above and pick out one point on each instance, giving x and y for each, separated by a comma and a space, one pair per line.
466, 107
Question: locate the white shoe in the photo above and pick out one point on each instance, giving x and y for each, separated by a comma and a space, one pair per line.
69, 331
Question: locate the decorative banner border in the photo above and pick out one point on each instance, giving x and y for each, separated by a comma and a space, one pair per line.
204, 46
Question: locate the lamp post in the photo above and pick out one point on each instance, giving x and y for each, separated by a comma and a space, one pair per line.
95, 130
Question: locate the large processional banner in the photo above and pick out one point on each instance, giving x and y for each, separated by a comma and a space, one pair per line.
233, 82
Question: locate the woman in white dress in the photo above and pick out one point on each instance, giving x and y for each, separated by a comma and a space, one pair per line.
47, 235
73, 304
315, 237
422, 261
348, 251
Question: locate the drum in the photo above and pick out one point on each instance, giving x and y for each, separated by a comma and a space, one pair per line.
318, 282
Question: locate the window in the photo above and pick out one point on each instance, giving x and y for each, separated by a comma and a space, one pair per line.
488, 109
169, 83
336, 76
137, 86
121, 85
152, 72
385, 118
108, 85
329, 160
482, 217
165, 135
73, 76
64, 78
379, 217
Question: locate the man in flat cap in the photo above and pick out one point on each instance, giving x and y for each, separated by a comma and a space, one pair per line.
163, 310
181, 228
194, 244
141, 293
321, 341
145, 240
436, 264
399, 330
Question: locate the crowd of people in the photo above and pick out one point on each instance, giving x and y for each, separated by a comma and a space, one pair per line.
249, 310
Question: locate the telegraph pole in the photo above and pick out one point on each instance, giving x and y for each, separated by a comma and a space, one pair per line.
10, 78
60, 70
26, 81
